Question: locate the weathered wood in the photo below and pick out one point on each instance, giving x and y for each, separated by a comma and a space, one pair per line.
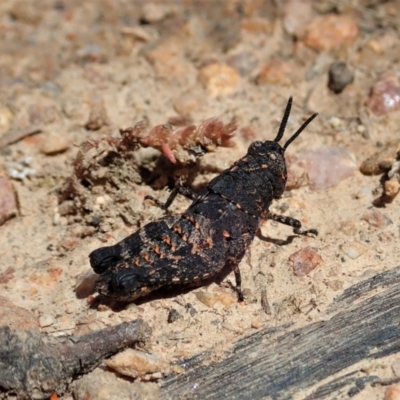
363, 324
35, 366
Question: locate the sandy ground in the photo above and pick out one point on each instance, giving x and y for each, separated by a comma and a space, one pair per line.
81, 70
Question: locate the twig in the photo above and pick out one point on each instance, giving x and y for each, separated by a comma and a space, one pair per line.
27, 359
17, 135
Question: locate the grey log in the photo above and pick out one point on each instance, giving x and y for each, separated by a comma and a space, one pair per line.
362, 324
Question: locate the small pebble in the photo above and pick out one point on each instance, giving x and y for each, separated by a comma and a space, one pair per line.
339, 76
100, 201
97, 114
25, 12
396, 367
56, 219
363, 192
7, 274
232, 328
278, 72
392, 393
177, 369
137, 32
227, 299
257, 324
189, 308
335, 122
244, 62
20, 170
136, 364
6, 119
335, 284
219, 79
391, 188
331, 32
209, 299
385, 94
256, 26
353, 250
326, 167
66, 207
46, 320
305, 260
155, 12
348, 228
377, 219
54, 144
91, 53
173, 316
8, 201
361, 129
186, 103
67, 243
297, 14
105, 385
382, 160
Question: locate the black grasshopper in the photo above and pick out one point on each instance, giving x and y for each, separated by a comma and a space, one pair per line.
213, 233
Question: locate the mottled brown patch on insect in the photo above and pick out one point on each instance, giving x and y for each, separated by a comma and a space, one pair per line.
136, 262
195, 248
210, 242
156, 249
167, 239
193, 220
146, 257
177, 228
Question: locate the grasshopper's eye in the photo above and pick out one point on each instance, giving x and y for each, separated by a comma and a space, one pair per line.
256, 145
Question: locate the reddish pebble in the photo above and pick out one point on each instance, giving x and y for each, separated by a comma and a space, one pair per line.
278, 72
8, 202
305, 260
326, 167
67, 244
134, 363
16, 317
385, 95
55, 143
331, 32
377, 219
257, 26
392, 393
7, 275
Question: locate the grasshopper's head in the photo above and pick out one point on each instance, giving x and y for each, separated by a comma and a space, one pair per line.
270, 155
